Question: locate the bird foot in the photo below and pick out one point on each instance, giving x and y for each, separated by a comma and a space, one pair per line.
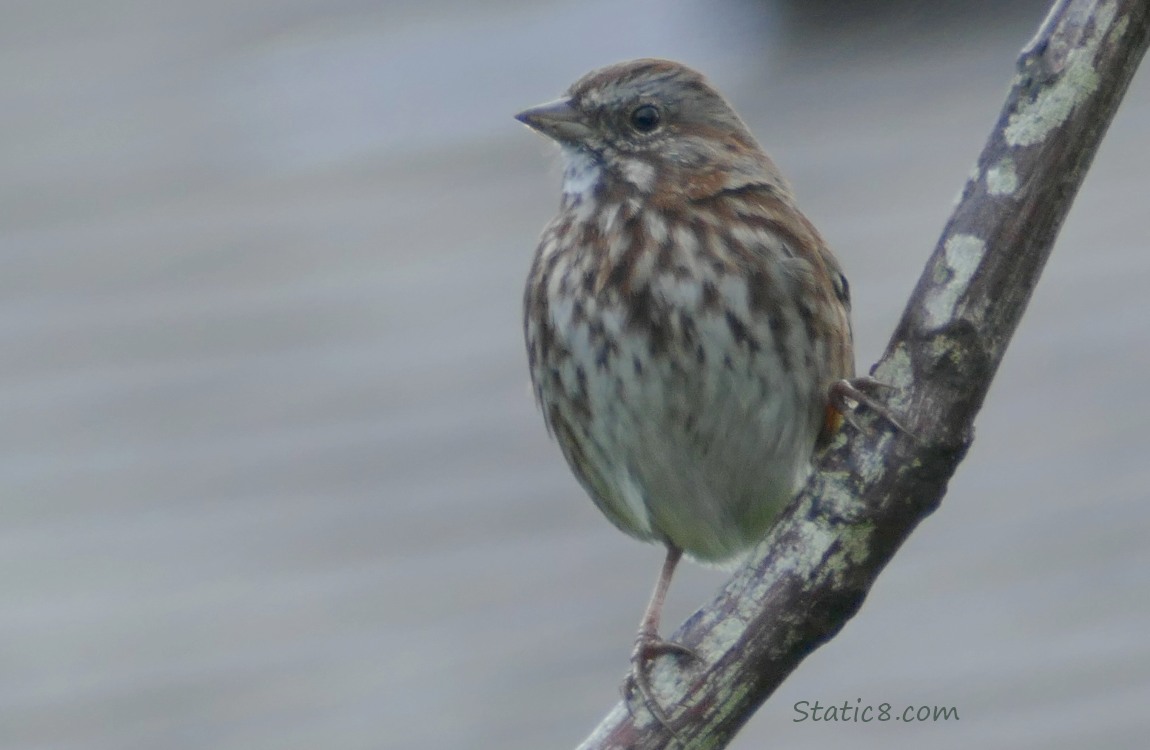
846, 395
648, 647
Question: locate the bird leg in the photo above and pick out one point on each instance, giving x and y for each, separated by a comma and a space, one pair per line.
649, 645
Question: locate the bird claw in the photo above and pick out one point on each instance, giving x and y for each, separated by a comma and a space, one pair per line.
845, 395
648, 647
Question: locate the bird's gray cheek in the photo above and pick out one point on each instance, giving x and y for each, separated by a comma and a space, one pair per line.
689, 158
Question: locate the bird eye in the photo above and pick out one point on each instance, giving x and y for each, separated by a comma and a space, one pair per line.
645, 118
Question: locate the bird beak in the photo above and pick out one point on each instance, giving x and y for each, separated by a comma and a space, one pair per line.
557, 120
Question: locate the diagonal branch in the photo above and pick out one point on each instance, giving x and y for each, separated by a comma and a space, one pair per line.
873, 487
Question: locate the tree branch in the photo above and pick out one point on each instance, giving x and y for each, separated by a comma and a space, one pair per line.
873, 487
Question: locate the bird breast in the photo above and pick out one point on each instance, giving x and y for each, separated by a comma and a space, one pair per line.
683, 390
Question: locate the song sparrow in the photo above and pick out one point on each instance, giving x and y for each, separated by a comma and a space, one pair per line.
684, 321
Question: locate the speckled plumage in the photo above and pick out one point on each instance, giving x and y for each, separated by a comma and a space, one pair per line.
684, 320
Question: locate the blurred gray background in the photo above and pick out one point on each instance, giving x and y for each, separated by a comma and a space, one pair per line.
271, 476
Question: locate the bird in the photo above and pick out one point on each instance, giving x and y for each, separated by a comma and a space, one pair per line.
687, 327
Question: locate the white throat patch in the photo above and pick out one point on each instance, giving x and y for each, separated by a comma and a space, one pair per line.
581, 173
